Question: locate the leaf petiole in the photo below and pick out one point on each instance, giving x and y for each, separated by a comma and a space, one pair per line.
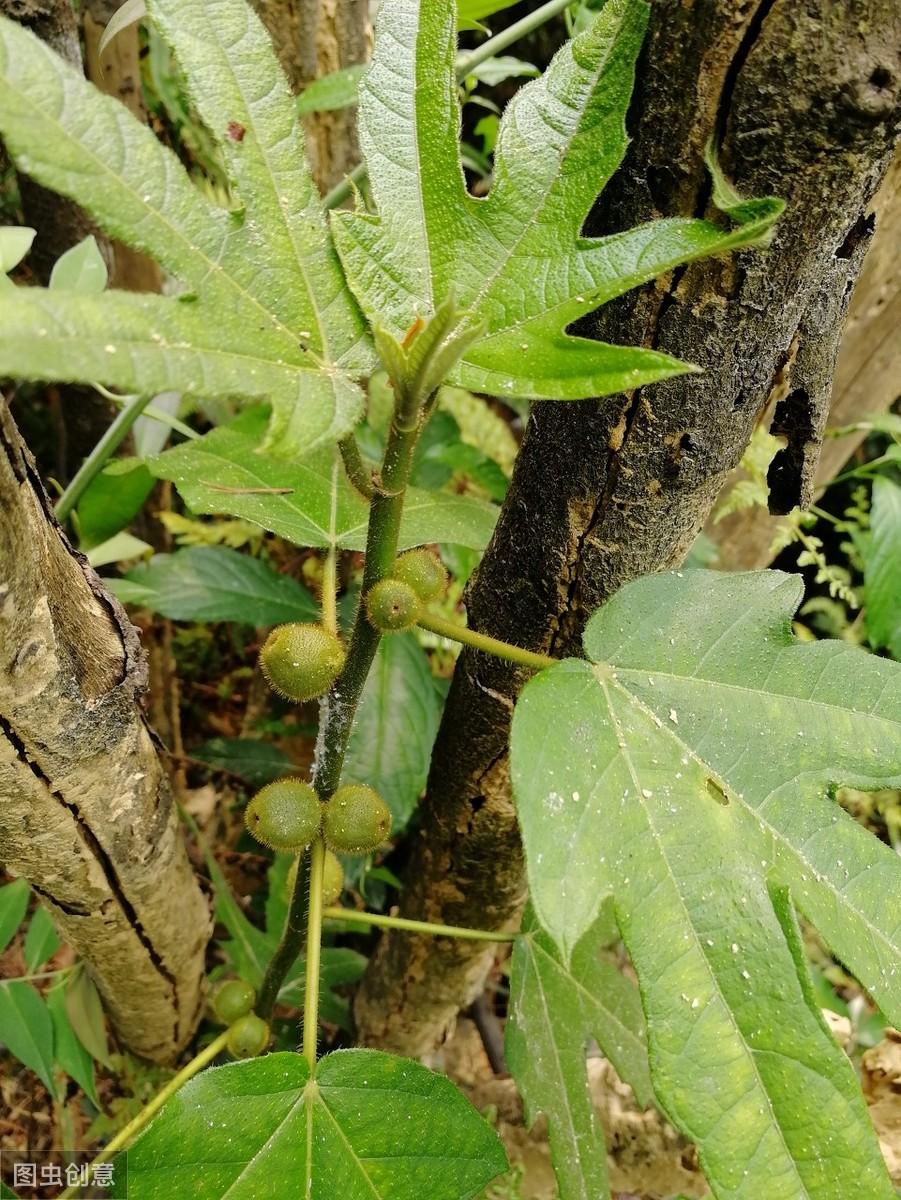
382, 922
489, 645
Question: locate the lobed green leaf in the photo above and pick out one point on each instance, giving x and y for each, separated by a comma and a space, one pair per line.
689, 774
365, 1126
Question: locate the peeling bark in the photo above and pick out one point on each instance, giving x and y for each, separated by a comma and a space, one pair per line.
805, 101
87, 813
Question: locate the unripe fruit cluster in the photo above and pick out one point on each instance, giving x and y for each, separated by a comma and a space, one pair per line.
233, 999
287, 815
357, 820
247, 1037
392, 606
284, 815
301, 662
424, 572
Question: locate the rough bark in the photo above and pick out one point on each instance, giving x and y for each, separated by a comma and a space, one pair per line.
87, 814
866, 381
804, 100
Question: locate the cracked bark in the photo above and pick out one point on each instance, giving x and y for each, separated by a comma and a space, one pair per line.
804, 99
87, 813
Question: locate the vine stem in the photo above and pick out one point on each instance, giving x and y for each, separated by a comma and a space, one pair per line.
100, 456
455, 931
314, 954
150, 1110
490, 645
465, 66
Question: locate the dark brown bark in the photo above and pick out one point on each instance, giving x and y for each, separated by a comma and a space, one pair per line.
804, 99
867, 380
87, 813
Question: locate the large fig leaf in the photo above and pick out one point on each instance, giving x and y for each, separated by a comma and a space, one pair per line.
515, 260
688, 770
366, 1126
264, 312
224, 472
554, 1008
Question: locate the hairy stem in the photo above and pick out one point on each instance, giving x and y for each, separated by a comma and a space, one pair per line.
339, 706
314, 954
490, 645
357, 471
383, 922
289, 946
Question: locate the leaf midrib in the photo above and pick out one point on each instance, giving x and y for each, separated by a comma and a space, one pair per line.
747, 1050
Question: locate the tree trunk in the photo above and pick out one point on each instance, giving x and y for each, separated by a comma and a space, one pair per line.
312, 39
866, 380
804, 100
88, 817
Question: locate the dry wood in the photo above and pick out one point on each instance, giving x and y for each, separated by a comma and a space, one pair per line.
87, 812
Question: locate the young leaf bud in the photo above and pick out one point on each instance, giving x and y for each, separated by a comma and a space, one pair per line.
284, 815
357, 820
233, 999
248, 1037
393, 606
301, 662
424, 572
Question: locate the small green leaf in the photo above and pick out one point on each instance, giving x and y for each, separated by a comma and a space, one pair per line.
80, 270
13, 906
554, 1009
121, 547
26, 1029
257, 762
397, 720
368, 1125
337, 90
213, 583
127, 14
470, 13
85, 1012
493, 71
225, 472
882, 567
15, 242
41, 941
69, 1053
111, 502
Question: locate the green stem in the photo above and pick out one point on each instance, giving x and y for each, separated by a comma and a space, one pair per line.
100, 456
338, 706
357, 471
124, 1136
490, 645
290, 943
383, 922
495, 45
314, 955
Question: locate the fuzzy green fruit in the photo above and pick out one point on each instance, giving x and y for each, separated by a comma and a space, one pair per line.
424, 572
248, 1037
332, 881
235, 998
357, 820
285, 815
301, 662
393, 606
